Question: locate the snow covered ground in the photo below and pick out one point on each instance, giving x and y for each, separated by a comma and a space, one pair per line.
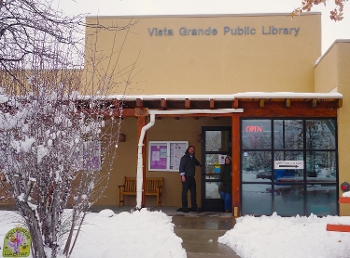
151, 234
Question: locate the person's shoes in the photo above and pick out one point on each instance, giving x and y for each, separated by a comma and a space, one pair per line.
197, 210
185, 210
227, 211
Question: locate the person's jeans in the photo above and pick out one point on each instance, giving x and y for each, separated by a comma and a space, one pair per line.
189, 184
227, 201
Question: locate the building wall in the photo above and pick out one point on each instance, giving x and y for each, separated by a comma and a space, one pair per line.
326, 71
124, 163
333, 72
166, 129
158, 60
344, 117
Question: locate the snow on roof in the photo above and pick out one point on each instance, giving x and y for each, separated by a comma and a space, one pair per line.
245, 95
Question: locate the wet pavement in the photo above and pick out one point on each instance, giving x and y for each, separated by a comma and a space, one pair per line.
200, 234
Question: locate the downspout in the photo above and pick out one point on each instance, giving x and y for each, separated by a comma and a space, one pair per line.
153, 113
139, 174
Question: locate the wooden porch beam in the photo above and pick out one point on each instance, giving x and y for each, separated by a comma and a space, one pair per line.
163, 103
139, 112
139, 103
261, 103
211, 103
187, 103
235, 103
340, 103
287, 103
236, 157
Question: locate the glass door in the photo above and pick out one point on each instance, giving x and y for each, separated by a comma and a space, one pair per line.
216, 146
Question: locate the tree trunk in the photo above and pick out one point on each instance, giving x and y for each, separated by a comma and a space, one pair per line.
70, 237
34, 229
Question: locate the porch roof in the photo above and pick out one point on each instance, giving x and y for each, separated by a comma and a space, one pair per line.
224, 100
251, 102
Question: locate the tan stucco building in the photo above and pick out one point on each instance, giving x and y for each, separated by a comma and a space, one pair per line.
253, 86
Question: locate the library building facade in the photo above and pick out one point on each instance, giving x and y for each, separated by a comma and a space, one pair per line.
255, 87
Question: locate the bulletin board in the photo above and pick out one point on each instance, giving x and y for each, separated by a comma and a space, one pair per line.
166, 155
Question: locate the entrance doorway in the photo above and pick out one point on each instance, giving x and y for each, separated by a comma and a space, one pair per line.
216, 146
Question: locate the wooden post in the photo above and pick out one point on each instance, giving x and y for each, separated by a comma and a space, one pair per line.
236, 157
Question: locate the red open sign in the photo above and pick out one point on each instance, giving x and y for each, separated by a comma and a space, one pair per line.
253, 129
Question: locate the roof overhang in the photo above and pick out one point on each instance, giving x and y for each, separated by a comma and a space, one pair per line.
137, 105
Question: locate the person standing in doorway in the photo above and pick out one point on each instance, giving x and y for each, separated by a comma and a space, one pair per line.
187, 171
225, 187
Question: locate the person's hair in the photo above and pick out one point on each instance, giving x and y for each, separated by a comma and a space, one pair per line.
189, 148
228, 157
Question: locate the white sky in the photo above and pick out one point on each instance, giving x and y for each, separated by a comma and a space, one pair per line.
330, 30
151, 235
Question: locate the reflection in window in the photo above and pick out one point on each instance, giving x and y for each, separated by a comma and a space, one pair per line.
322, 200
212, 190
256, 134
288, 199
256, 199
256, 166
321, 166
217, 140
304, 180
320, 134
288, 134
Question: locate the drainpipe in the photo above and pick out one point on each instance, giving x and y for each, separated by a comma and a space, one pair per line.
153, 113
139, 177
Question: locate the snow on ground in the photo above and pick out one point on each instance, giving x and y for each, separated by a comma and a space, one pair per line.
283, 237
151, 234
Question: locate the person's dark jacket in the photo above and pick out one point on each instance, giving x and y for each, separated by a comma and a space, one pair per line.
226, 179
188, 165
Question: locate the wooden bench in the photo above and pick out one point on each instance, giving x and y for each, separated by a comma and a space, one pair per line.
153, 187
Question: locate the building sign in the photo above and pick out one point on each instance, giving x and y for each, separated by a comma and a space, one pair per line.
17, 243
166, 155
254, 129
271, 30
289, 164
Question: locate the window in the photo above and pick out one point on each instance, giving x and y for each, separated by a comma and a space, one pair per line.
166, 155
289, 166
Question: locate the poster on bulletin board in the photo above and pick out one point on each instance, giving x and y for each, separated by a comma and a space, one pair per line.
177, 150
158, 156
165, 155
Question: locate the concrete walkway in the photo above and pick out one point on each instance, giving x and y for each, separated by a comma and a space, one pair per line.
200, 232
200, 235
